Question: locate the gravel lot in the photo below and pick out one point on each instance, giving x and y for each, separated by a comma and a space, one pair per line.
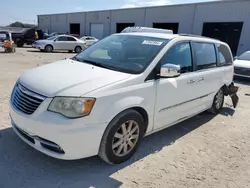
205, 151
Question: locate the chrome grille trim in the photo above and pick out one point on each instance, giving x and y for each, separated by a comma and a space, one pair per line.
25, 100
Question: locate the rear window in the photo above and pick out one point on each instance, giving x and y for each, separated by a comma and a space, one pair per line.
225, 57
205, 55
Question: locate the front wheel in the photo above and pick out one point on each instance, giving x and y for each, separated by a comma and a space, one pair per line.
48, 48
78, 49
122, 137
217, 102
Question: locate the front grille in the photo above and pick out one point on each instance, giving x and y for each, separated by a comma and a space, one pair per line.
242, 71
25, 100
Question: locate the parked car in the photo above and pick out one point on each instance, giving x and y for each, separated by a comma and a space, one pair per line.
107, 98
25, 36
89, 40
60, 42
242, 65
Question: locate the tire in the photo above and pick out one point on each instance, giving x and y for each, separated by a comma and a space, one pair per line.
41, 50
70, 51
217, 102
78, 49
48, 48
19, 42
108, 150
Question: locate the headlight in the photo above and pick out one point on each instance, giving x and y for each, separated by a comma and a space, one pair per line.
72, 107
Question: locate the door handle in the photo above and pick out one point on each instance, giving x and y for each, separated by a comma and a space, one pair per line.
191, 81
200, 79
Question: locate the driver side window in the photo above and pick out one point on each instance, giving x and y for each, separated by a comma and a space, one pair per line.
179, 54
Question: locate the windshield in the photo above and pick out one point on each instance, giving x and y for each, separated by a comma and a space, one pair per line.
124, 53
245, 56
52, 38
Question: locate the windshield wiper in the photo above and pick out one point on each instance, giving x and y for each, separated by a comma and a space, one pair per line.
98, 64
76, 59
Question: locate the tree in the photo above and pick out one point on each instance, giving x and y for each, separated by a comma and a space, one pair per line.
20, 24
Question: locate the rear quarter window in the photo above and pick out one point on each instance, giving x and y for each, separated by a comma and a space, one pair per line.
224, 55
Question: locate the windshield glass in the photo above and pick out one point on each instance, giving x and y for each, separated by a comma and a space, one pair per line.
124, 53
245, 56
52, 38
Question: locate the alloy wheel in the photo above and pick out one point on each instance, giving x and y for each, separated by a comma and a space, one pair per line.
125, 138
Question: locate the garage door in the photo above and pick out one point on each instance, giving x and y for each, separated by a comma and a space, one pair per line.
96, 30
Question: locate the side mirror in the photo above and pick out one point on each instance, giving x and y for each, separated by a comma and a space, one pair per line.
170, 71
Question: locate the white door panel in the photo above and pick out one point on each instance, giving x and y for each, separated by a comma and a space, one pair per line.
180, 97
176, 98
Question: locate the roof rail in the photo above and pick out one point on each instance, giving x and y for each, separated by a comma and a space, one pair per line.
199, 36
146, 29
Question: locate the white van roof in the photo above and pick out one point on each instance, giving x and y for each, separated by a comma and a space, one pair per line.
146, 30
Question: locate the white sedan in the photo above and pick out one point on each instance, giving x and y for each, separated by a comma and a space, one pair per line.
60, 42
89, 40
242, 65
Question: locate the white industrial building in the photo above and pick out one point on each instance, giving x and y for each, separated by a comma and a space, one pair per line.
228, 21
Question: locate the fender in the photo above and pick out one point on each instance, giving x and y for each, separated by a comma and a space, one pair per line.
127, 103
123, 104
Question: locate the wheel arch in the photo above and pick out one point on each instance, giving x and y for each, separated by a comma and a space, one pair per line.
49, 45
138, 109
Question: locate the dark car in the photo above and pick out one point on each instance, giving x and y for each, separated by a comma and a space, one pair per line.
26, 36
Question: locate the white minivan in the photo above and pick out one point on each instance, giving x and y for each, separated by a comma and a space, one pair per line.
107, 98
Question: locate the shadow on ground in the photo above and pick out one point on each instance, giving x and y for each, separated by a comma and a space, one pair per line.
22, 166
243, 81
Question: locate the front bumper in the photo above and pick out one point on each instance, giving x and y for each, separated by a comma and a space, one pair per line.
241, 75
57, 136
38, 46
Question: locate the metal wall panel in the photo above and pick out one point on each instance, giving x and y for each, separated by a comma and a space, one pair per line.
76, 18
190, 18
59, 23
136, 16
44, 23
98, 17
225, 12
183, 14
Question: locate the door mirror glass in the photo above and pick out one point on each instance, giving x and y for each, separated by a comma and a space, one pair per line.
170, 71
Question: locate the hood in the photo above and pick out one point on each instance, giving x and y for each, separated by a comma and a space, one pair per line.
242, 63
69, 78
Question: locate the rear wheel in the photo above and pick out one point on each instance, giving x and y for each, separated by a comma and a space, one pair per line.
48, 48
122, 137
78, 49
217, 102
19, 42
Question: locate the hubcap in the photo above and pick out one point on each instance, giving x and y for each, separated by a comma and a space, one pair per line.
125, 138
78, 50
49, 48
219, 99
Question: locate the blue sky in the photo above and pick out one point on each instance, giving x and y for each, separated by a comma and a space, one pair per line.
27, 10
